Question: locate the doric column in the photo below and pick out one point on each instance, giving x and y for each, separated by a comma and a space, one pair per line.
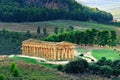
54, 52
72, 53
65, 53
23, 50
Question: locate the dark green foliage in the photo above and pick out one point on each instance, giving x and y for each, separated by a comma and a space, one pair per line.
88, 37
103, 67
56, 30
10, 42
81, 55
12, 66
38, 30
94, 68
2, 77
106, 71
26, 10
59, 67
44, 31
16, 72
78, 66
61, 30
71, 28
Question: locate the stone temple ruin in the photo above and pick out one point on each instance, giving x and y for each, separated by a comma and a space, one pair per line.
48, 50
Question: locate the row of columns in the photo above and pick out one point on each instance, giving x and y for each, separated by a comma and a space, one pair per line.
49, 52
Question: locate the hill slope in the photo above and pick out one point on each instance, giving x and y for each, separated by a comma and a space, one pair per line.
44, 10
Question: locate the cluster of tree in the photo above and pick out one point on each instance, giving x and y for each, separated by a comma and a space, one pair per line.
32, 10
61, 30
102, 67
44, 31
88, 37
11, 41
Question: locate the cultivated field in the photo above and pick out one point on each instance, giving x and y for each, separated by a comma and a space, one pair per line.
32, 26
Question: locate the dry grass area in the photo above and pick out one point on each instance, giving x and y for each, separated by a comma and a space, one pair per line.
32, 26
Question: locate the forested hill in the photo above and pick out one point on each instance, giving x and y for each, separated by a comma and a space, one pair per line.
43, 10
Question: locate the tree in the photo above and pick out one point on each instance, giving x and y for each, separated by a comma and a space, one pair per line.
56, 30
71, 28
44, 31
106, 71
113, 37
38, 30
61, 30
16, 72
27, 34
78, 66
12, 66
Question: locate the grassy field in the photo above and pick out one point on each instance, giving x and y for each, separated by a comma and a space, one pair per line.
108, 53
81, 50
32, 26
33, 61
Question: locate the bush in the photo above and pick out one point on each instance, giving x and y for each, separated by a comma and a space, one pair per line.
78, 66
81, 54
94, 68
106, 71
15, 72
12, 66
59, 67
2, 77
104, 61
116, 72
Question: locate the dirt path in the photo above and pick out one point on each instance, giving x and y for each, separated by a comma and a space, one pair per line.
87, 56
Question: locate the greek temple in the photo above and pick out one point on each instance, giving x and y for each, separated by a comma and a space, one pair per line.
48, 50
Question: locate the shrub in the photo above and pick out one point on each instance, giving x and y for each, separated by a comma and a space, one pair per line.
106, 71
78, 66
12, 66
81, 55
104, 61
59, 67
2, 77
15, 72
116, 72
94, 68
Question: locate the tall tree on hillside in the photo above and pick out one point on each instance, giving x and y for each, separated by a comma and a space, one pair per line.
38, 30
61, 30
27, 34
113, 37
56, 30
71, 28
44, 31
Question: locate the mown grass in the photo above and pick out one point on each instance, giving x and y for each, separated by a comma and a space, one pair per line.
108, 53
81, 50
33, 61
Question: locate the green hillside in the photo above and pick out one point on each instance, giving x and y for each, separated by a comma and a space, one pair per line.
44, 10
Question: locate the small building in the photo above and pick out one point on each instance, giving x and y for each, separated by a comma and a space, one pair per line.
48, 50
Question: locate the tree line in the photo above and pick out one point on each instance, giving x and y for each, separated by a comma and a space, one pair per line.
21, 11
104, 67
88, 37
